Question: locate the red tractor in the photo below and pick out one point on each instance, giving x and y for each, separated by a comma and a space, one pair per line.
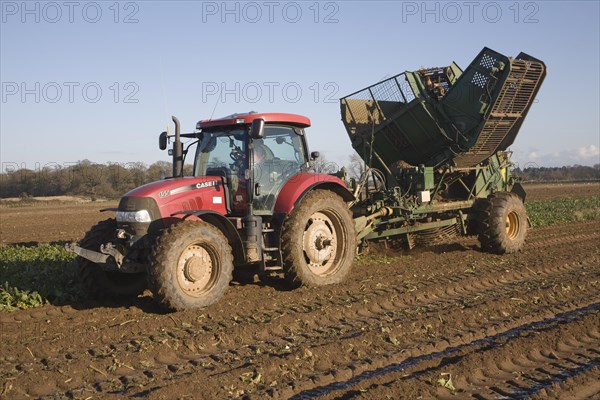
252, 204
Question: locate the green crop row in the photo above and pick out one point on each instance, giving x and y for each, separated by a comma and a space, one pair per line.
31, 276
560, 211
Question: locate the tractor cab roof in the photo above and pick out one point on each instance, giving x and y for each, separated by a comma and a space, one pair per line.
247, 118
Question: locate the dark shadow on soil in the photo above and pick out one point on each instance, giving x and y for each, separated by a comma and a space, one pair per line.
451, 247
34, 243
393, 249
253, 278
56, 280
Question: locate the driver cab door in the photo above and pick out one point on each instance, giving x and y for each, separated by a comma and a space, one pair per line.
278, 156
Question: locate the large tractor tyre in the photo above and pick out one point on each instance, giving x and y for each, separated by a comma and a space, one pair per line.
318, 241
502, 223
191, 267
106, 285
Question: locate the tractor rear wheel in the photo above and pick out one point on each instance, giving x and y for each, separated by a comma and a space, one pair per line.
502, 223
191, 267
100, 284
318, 241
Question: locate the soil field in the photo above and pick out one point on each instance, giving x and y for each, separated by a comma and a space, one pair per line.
439, 322
444, 322
48, 223
549, 191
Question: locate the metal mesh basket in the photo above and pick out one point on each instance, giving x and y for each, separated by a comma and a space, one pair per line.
372, 106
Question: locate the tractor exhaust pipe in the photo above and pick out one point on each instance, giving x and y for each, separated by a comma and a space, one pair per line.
177, 150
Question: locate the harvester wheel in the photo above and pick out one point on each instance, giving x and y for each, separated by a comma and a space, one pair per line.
100, 284
191, 267
502, 223
318, 242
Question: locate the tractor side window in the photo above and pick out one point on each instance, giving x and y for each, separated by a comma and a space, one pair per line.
277, 157
284, 143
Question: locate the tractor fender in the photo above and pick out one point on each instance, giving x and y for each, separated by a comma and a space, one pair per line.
300, 184
519, 191
225, 226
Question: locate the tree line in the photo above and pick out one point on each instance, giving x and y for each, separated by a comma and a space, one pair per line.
556, 174
84, 178
93, 180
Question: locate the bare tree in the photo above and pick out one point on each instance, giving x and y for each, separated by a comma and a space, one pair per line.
356, 167
323, 166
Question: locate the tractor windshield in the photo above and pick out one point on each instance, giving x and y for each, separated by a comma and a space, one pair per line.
221, 153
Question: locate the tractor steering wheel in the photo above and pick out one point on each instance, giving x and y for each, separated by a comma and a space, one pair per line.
237, 156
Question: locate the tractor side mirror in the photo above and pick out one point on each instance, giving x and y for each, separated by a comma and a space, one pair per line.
257, 131
314, 155
162, 141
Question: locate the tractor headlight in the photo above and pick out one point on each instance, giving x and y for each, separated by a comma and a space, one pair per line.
133, 216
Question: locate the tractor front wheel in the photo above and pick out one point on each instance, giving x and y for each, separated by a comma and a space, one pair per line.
100, 284
191, 267
318, 241
502, 223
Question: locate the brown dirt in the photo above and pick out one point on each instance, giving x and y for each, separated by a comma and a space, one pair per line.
548, 191
442, 322
50, 222
520, 325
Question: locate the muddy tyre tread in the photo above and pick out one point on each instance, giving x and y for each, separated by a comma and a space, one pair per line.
491, 219
101, 285
165, 257
296, 270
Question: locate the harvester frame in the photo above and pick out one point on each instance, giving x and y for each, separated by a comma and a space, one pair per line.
435, 142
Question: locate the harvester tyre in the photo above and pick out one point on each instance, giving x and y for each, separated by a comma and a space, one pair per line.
502, 223
191, 267
106, 285
318, 241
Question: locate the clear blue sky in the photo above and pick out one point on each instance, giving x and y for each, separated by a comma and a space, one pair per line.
152, 59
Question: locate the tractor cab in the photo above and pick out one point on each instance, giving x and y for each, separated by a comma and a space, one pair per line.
255, 154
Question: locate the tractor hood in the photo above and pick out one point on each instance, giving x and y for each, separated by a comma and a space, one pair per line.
170, 196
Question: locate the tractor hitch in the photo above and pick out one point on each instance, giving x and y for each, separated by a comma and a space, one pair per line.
91, 255
117, 264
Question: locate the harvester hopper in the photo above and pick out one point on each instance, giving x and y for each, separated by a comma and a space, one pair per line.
443, 115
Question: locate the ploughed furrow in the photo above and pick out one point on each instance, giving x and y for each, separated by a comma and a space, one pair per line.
299, 354
352, 305
557, 357
551, 236
392, 277
261, 340
454, 263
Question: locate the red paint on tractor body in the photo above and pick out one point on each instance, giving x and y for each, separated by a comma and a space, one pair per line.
300, 183
245, 119
183, 194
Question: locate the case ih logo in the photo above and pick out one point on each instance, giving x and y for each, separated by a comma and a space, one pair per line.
206, 184
195, 186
